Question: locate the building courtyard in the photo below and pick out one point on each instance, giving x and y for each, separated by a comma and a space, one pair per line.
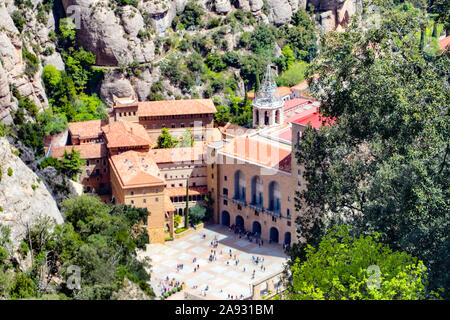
222, 277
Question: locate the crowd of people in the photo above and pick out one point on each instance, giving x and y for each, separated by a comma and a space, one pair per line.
167, 284
218, 254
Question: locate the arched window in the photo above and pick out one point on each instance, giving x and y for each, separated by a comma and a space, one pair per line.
274, 196
239, 185
257, 191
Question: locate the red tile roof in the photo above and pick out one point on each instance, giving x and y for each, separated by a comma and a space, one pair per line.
263, 153
136, 168
284, 91
168, 204
181, 191
87, 129
125, 134
444, 43
315, 119
293, 103
195, 153
87, 151
175, 107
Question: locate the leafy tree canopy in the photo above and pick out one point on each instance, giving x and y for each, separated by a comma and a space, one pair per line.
383, 166
346, 268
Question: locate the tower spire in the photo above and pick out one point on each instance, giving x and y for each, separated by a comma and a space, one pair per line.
267, 105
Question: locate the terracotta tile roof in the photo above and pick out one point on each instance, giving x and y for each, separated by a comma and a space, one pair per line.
87, 129
263, 153
136, 168
125, 134
181, 191
234, 129
444, 43
87, 151
284, 91
195, 153
175, 107
304, 84
168, 204
315, 119
294, 103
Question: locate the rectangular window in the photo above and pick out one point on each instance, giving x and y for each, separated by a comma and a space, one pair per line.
225, 202
225, 191
225, 178
145, 200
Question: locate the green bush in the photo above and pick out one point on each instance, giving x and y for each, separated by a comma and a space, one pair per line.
18, 19
180, 230
10, 172
31, 62
1, 209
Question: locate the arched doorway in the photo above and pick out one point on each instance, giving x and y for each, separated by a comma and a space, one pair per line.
274, 234
256, 228
287, 238
225, 218
239, 221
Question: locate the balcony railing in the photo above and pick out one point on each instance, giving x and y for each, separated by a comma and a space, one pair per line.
275, 213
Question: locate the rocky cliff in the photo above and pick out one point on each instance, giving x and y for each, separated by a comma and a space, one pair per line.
123, 34
23, 196
34, 36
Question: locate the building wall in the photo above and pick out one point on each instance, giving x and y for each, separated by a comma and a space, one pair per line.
227, 180
95, 174
176, 174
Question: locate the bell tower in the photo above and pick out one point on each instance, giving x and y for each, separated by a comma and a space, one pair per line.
267, 105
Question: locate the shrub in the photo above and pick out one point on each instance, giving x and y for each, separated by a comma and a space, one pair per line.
10, 172
18, 19
31, 62
1, 209
180, 230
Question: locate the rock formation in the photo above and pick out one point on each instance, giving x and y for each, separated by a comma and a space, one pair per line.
24, 197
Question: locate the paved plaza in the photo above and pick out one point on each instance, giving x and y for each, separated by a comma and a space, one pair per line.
222, 278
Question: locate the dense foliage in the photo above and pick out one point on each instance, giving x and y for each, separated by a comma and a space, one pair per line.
99, 239
383, 166
346, 268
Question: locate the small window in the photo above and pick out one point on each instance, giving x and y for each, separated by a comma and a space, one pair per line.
145, 200
156, 199
225, 191
289, 223
132, 193
225, 202
225, 178
132, 201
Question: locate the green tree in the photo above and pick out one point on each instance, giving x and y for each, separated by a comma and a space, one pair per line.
192, 14
186, 140
384, 164
166, 140
215, 63
197, 213
71, 163
346, 268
